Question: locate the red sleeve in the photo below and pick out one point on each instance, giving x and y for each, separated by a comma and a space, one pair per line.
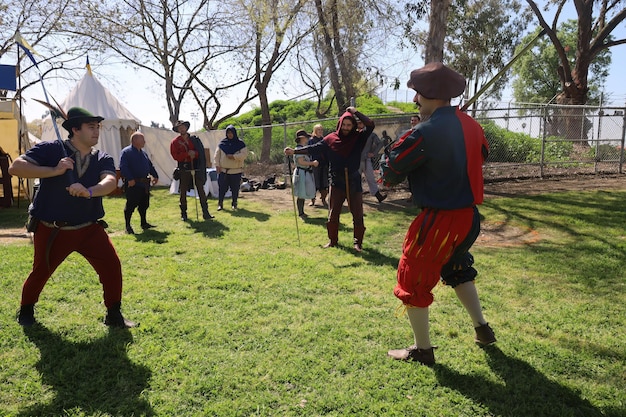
178, 150
476, 149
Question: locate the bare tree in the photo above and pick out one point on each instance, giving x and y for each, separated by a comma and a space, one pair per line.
313, 69
40, 23
275, 35
184, 43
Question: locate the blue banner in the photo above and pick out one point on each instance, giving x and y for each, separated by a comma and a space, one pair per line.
8, 77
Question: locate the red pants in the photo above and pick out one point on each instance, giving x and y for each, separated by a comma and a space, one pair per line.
337, 197
92, 242
430, 243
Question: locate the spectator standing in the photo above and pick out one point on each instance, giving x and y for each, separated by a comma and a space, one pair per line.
302, 180
139, 174
188, 152
372, 148
229, 160
320, 172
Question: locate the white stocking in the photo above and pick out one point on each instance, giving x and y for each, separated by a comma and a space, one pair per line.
418, 317
468, 296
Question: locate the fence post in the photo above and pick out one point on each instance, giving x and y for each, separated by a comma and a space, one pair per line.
621, 155
285, 142
598, 155
543, 140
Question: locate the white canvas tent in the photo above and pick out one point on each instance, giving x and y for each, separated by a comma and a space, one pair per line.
117, 126
158, 149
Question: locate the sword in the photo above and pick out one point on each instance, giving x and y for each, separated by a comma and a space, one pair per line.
195, 187
293, 198
345, 170
502, 71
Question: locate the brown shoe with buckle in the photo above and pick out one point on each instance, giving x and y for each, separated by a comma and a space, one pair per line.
484, 335
412, 353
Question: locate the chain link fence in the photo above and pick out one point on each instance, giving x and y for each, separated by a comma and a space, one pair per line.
526, 141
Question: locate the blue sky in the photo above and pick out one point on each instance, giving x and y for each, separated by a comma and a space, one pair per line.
143, 97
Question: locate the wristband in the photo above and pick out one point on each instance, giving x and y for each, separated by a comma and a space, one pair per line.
90, 193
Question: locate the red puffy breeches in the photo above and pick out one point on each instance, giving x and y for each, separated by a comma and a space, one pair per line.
434, 238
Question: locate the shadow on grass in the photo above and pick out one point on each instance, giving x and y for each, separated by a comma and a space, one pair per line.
523, 391
209, 228
152, 235
93, 377
249, 214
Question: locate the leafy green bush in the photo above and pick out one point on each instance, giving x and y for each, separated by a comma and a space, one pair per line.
507, 146
405, 107
607, 153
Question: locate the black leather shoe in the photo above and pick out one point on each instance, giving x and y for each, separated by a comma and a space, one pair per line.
115, 318
147, 226
26, 315
129, 230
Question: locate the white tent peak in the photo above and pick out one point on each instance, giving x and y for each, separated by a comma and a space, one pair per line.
118, 123
91, 95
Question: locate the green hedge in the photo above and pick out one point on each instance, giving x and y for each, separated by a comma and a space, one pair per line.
507, 146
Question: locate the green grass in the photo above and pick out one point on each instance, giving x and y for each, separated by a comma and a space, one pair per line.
238, 319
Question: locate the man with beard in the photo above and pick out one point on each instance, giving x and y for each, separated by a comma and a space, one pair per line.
443, 157
342, 149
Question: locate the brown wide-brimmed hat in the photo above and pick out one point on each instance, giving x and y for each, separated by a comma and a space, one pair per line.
300, 133
179, 124
435, 80
77, 116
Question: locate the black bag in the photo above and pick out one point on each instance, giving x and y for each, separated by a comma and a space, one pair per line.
176, 174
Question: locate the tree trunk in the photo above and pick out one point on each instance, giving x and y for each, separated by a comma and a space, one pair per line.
266, 120
329, 53
437, 30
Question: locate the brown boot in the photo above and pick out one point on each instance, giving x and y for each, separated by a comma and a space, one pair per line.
359, 232
484, 335
412, 353
333, 234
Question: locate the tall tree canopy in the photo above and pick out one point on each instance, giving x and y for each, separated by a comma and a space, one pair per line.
536, 75
477, 39
597, 19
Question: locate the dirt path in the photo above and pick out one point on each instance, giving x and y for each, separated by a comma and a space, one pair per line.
398, 199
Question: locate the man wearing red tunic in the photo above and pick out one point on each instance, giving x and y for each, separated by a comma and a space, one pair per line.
442, 157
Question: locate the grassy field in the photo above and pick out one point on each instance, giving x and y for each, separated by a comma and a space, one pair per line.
238, 319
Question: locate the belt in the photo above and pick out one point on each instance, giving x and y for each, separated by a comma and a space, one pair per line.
57, 226
226, 171
65, 225
305, 169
